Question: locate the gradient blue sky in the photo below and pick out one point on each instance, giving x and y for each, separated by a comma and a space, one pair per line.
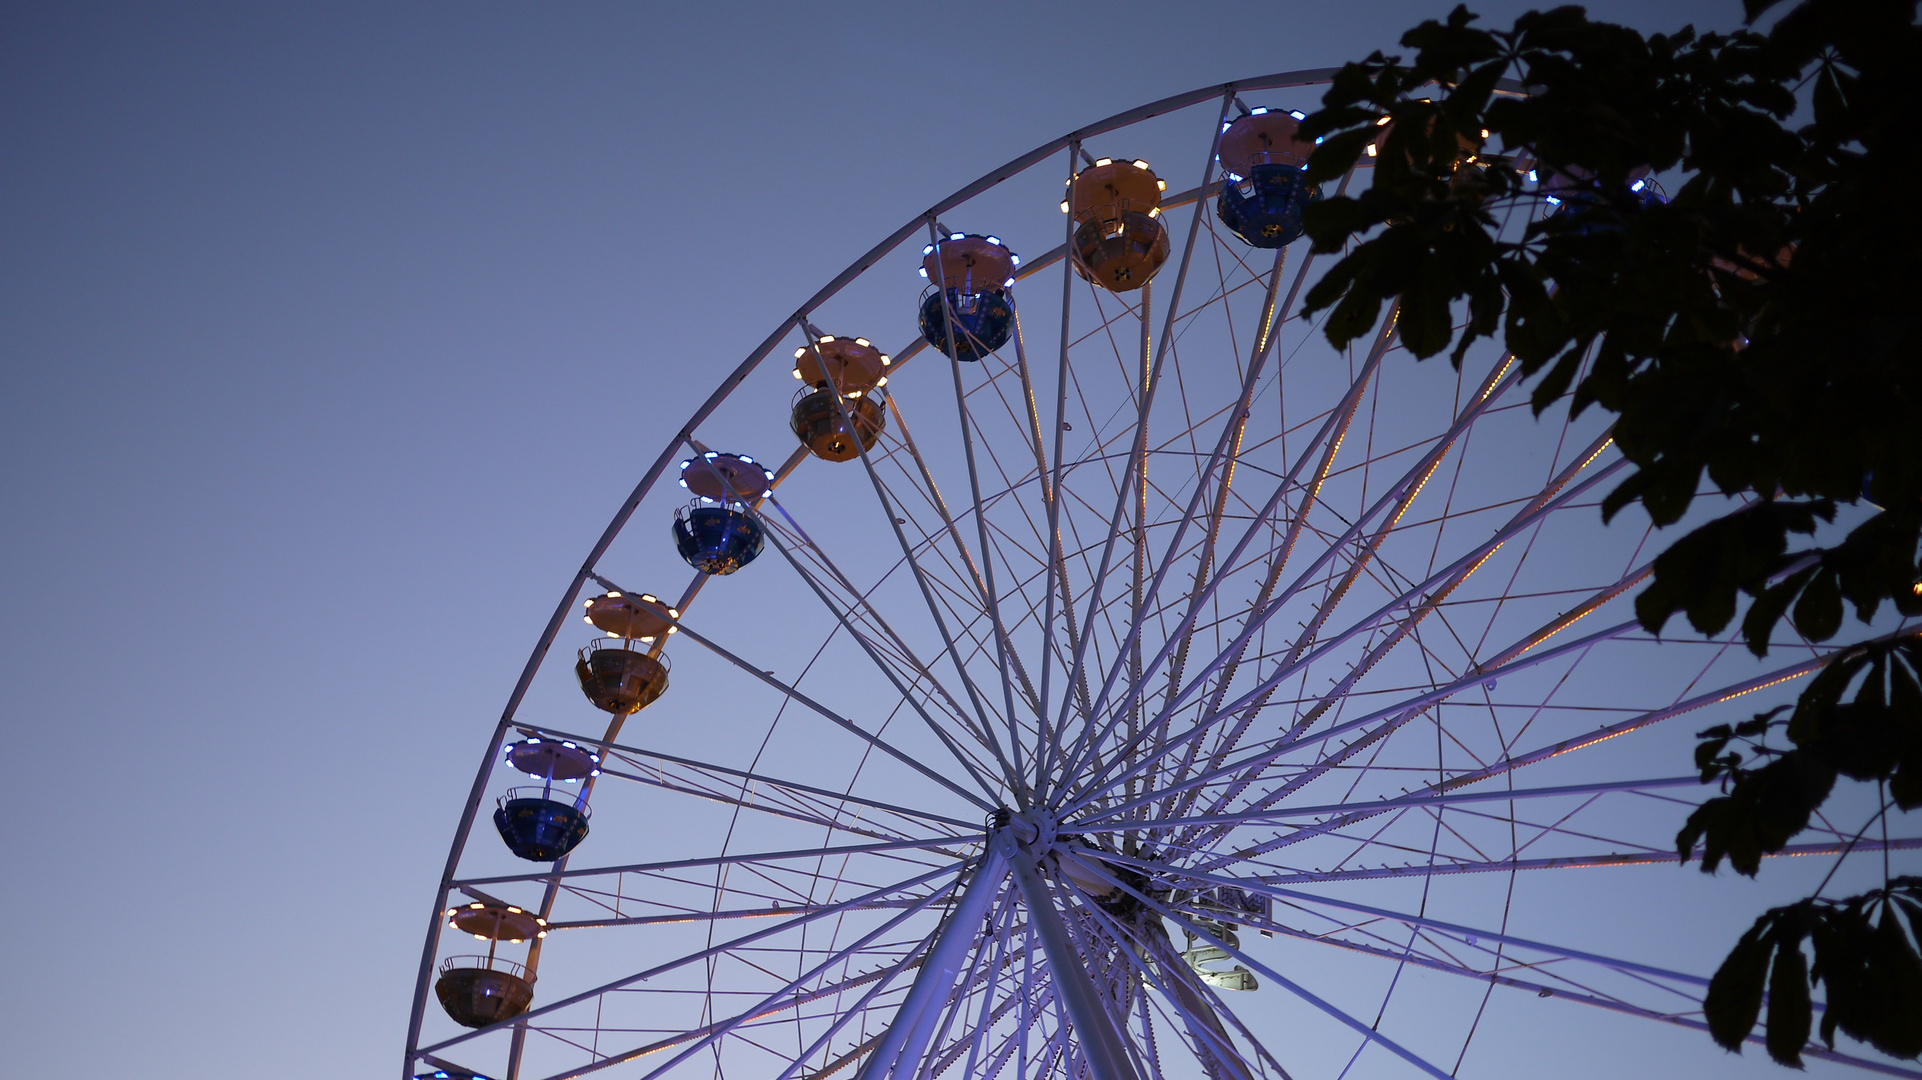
330, 336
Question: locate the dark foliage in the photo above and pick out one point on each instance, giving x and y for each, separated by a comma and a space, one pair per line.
1755, 331
1863, 955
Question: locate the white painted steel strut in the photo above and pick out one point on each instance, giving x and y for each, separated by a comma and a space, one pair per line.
899, 1055
1101, 1042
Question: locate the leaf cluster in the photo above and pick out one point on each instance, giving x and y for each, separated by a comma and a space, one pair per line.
1770, 792
1862, 952
1756, 330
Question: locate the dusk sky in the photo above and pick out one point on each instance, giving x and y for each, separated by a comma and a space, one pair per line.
332, 336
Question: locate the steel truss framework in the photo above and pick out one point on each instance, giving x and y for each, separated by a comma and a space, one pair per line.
1139, 637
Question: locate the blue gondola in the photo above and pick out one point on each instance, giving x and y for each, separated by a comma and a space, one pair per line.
983, 322
1264, 191
716, 539
717, 534
1265, 209
538, 827
1579, 208
970, 276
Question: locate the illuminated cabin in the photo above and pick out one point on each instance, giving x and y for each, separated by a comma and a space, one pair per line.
619, 678
859, 370
1119, 240
480, 990
1576, 201
717, 534
616, 676
969, 276
1264, 190
542, 824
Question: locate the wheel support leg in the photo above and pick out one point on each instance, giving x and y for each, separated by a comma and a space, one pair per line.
1101, 1042
899, 1055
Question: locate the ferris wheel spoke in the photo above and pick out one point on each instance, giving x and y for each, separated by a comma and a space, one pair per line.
974, 572
1228, 660
1398, 495
1200, 932
1041, 471
859, 604
786, 998
1561, 992
1514, 761
1130, 647
1220, 1008
1230, 436
1058, 585
940, 846
1296, 897
640, 756
722, 794
1430, 797
1516, 657
1411, 486
1135, 477
1265, 754
1179, 638
904, 664
1199, 1010
1432, 592
915, 667
1264, 344
1145, 395
855, 729
847, 1016
741, 796
1700, 701
715, 950
857, 599
986, 731
1329, 437
1574, 862
1002, 646
730, 915
1507, 660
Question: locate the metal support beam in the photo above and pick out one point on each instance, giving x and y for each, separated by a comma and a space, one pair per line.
900, 1052
1101, 1042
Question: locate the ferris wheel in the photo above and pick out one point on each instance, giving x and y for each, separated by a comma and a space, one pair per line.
1113, 680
